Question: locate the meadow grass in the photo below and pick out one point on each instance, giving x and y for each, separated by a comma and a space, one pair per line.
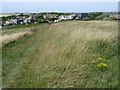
60, 55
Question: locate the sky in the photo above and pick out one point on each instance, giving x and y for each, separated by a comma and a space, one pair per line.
59, 0
28, 6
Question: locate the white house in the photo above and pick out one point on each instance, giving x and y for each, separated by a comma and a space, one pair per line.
64, 17
13, 21
26, 21
7, 22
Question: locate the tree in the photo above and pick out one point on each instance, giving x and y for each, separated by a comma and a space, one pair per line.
21, 15
4, 18
8, 17
26, 16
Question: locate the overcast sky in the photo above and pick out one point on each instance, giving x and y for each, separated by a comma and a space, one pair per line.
11, 6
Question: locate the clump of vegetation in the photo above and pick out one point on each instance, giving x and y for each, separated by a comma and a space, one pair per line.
101, 63
52, 19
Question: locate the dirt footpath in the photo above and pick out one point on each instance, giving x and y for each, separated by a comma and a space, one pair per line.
4, 39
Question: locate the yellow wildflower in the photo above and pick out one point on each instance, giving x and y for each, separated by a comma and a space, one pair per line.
93, 61
100, 58
104, 64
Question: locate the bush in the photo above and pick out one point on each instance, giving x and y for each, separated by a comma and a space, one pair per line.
9, 24
52, 19
41, 21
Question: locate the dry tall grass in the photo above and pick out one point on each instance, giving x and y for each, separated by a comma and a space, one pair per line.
60, 55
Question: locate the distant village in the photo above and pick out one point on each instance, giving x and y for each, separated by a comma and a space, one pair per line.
28, 18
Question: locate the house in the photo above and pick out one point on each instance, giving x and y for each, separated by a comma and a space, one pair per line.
25, 20
13, 21
83, 15
21, 21
44, 16
10, 21
76, 17
18, 21
64, 17
32, 18
7, 22
117, 17
54, 16
51, 16
29, 19
47, 16
72, 16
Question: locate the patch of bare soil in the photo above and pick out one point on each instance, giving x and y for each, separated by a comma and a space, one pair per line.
4, 39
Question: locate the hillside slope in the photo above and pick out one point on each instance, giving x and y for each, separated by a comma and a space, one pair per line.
60, 55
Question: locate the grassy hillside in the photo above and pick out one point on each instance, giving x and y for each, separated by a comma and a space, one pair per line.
65, 54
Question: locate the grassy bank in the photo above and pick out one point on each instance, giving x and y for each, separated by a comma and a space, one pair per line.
20, 28
61, 55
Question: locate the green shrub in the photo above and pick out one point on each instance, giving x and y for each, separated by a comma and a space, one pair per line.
52, 19
9, 24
